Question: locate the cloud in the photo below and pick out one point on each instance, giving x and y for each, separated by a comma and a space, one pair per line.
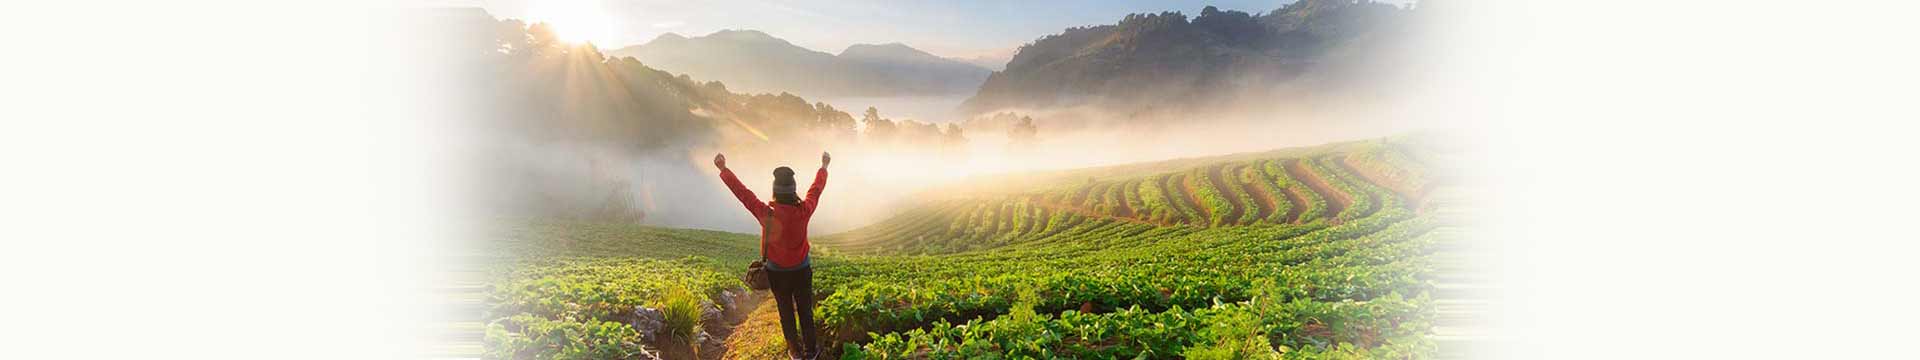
669, 24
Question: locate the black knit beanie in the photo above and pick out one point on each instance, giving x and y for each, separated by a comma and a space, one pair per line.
783, 185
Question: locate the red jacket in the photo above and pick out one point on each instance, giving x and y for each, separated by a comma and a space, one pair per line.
783, 228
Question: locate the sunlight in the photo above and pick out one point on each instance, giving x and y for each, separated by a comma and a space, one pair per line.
576, 21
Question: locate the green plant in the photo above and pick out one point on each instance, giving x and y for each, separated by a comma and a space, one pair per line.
682, 309
1234, 335
527, 336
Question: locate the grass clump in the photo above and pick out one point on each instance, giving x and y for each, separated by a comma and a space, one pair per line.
681, 305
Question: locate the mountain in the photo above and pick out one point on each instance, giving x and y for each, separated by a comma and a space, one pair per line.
891, 53
994, 60
753, 61
1168, 62
914, 69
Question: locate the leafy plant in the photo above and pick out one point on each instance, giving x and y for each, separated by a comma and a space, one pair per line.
527, 336
1233, 335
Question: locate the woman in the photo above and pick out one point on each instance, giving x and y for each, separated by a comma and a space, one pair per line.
783, 247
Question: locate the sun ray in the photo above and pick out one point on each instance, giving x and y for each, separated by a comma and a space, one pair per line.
576, 21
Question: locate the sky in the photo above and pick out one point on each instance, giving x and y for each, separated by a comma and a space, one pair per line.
959, 29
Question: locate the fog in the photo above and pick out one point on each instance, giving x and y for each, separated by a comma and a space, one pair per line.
560, 131
939, 109
680, 187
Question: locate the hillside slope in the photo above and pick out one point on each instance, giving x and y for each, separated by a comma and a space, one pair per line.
1168, 62
1122, 263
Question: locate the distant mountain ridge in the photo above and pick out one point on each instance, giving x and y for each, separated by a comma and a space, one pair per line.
995, 62
1168, 62
889, 51
754, 61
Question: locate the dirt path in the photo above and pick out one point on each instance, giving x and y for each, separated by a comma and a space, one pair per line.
1339, 172
1174, 212
1120, 199
1299, 202
1095, 197
1410, 198
1193, 200
1234, 207
1080, 195
757, 335
1336, 201
1263, 200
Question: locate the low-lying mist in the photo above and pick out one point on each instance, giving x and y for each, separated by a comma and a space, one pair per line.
869, 182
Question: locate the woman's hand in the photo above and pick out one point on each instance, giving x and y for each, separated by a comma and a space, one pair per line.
720, 161
825, 159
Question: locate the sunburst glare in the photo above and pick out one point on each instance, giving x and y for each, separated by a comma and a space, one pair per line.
579, 21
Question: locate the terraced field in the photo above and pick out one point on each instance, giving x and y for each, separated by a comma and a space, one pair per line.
1324, 187
1329, 251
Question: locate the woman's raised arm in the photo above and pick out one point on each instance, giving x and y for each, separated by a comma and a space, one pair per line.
746, 197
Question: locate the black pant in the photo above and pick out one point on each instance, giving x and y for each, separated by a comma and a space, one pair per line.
793, 292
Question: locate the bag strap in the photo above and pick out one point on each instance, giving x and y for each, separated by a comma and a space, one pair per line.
766, 230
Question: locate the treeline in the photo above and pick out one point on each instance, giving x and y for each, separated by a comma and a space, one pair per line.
950, 139
1022, 133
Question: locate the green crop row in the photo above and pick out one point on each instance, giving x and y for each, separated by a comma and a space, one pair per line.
527, 336
1156, 206
1316, 206
1378, 196
1236, 189
1182, 200
1361, 201
1130, 193
1153, 276
1389, 326
1392, 166
1218, 206
1254, 174
568, 290
599, 288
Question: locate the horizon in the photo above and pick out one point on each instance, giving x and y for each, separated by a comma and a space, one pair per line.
1000, 27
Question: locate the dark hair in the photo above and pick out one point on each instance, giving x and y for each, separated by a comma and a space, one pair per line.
784, 186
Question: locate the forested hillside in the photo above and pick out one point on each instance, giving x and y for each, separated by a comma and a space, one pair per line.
1169, 62
573, 133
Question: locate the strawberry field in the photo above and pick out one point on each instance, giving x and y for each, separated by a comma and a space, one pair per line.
1322, 252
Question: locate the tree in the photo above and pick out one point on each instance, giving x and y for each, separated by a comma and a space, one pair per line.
953, 142
879, 130
1022, 131
835, 123
953, 138
1022, 135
